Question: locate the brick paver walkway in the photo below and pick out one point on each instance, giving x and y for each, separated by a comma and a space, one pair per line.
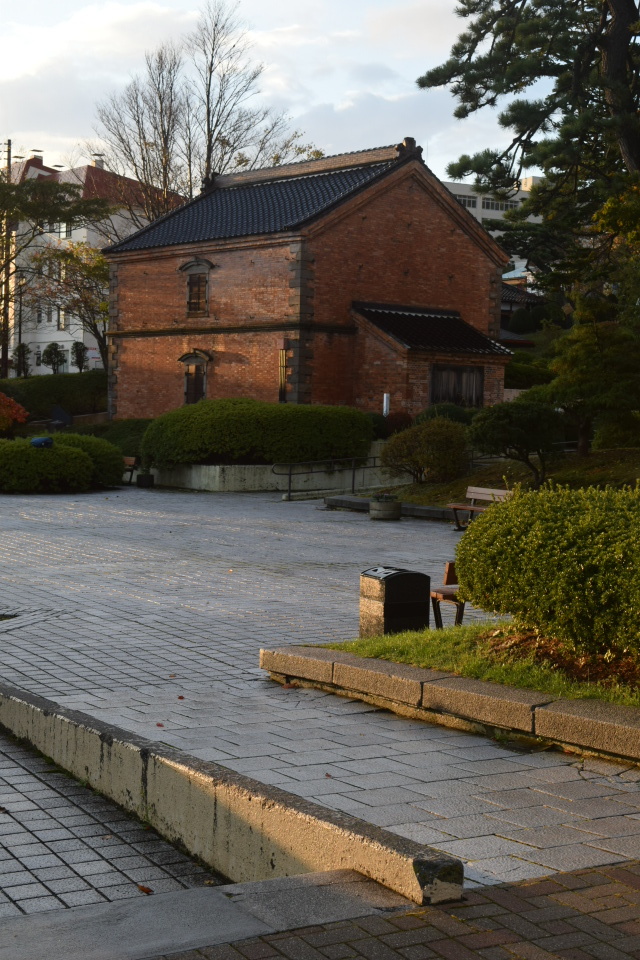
147, 609
62, 845
576, 916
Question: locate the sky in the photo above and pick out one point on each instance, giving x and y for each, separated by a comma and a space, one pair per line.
345, 70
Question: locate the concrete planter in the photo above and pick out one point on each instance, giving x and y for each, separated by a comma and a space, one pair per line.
249, 478
384, 509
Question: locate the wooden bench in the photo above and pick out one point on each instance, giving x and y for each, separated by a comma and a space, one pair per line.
130, 466
447, 593
473, 495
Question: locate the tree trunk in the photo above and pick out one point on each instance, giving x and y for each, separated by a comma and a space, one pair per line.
617, 79
584, 437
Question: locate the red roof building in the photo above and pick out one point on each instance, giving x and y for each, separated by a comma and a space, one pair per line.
329, 281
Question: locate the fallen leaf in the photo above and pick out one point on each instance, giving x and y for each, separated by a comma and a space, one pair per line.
159, 724
180, 698
171, 676
329, 775
143, 889
210, 883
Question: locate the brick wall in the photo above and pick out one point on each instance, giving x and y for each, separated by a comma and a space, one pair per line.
249, 287
400, 246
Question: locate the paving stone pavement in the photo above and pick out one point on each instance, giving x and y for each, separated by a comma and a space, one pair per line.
62, 845
576, 916
147, 609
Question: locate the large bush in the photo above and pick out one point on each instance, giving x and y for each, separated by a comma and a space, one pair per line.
56, 469
250, 431
108, 465
522, 430
75, 392
433, 451
563, 562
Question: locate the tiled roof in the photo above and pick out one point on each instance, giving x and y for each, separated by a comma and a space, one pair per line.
253, 208
418, 328
512, 293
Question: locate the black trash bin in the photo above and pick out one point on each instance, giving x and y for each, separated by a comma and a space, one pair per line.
393, 600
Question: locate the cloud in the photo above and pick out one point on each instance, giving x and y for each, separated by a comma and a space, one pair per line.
110, 37
426, 29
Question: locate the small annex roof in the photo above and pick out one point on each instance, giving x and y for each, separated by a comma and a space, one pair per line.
424, 328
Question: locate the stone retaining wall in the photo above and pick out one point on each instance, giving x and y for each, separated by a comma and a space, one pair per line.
244, 829
440, 697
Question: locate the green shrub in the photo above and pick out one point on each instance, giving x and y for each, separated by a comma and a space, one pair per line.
524, 321
449, 411
618, 434
379, 424
563, 562
433, 451
398, 421
250, 431
75, 392
125, 434
521, 376
108, 465
56, 469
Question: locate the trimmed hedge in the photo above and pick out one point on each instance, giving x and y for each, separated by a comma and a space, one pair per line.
565, 563
74, 392
251, 431
57, 469
432, 451
447, 411
108, 465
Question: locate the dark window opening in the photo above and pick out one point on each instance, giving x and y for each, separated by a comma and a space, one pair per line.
282, 376
195, 383
197, 293
461, 385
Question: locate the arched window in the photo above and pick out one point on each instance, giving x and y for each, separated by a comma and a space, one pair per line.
197, 292
195, 375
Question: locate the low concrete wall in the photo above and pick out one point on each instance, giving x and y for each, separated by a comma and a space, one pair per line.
244, 829
253, 478
584, 725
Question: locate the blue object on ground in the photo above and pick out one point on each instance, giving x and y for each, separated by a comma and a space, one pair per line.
42, 442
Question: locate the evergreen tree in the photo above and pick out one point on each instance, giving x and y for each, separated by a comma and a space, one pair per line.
578, 64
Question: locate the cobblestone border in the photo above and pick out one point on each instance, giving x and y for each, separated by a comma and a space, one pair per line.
585, 725
243, 829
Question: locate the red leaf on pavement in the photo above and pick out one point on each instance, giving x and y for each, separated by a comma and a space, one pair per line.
146, 890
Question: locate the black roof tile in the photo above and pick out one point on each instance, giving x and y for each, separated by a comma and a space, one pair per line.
418, 328
270, 206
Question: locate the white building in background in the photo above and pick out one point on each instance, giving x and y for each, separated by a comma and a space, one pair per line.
485, 208
40, 325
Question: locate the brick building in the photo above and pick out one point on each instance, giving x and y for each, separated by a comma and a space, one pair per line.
328, 281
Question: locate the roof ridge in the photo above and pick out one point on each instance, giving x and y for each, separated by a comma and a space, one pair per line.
337, 161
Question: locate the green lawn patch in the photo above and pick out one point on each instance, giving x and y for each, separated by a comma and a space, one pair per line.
490, 651
614, 468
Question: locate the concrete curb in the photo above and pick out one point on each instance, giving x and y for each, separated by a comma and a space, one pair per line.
361, 505
245, 830
586, 725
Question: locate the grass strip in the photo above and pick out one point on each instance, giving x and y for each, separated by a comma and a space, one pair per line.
468, 652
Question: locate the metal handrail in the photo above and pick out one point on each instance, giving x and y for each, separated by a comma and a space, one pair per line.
324, 466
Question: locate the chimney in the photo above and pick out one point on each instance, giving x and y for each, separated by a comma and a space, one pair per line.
409, 148
98, 160
209, 183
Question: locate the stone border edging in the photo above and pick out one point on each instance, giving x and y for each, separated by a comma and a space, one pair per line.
361, 505
244, 829
445, 698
